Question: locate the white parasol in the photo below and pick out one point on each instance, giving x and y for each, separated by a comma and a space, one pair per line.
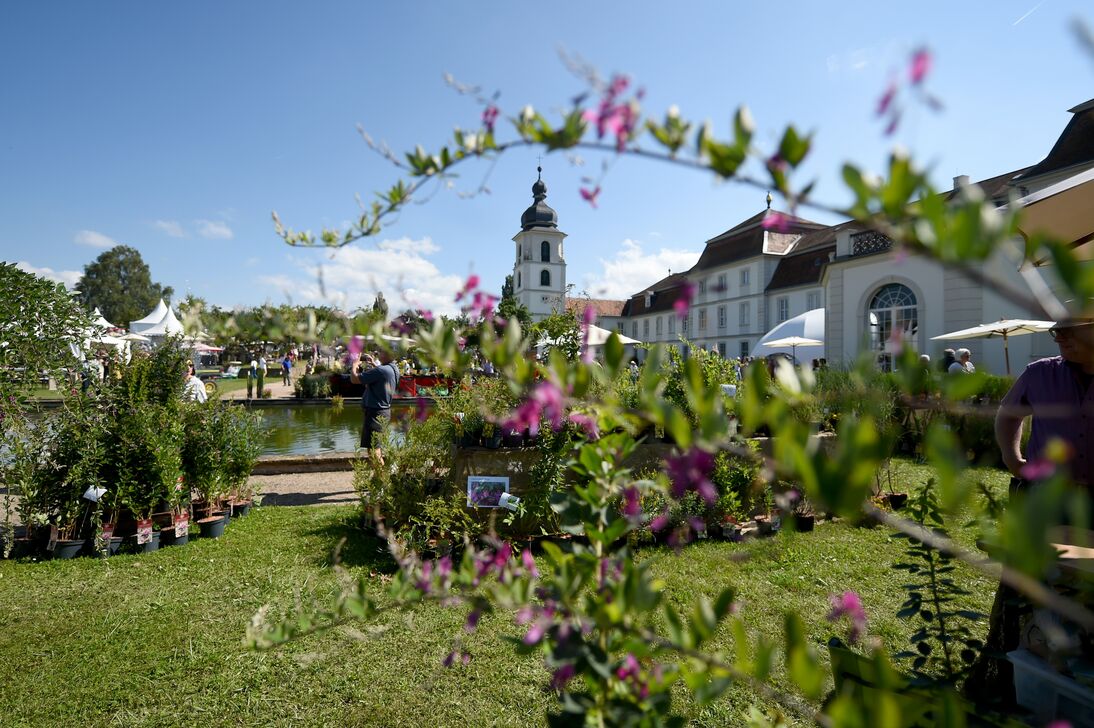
1003, 327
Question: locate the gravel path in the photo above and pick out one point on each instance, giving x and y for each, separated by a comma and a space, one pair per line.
306, 489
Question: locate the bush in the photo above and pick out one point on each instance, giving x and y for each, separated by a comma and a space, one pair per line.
312, 386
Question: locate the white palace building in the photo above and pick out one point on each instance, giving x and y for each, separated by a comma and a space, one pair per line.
753, 276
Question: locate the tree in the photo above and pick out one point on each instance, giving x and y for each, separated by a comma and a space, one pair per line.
119, 283
38, 321
509, 308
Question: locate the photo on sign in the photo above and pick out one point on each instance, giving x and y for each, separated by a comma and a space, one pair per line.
485, 491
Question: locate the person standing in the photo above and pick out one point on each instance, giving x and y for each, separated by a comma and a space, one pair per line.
1057, 393
381, 379
252, 374
261, 374
963, 363
286, 370
194, 388
948, 358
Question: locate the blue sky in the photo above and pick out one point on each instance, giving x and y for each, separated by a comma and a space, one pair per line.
176, 128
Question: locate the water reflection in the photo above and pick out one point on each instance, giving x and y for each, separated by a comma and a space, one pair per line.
311, 430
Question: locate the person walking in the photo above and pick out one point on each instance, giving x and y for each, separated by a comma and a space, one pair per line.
381, 379
1057, 393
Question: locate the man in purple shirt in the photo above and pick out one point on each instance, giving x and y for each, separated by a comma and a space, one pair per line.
1057, 393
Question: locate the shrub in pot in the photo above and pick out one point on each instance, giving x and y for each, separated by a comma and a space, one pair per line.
151, 439
241, 444
202, 457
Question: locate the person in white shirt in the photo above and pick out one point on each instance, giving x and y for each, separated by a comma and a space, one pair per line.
964, 364
194, 388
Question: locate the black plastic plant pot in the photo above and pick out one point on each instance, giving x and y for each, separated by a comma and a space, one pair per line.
241, 509
213, 526
804, 521
114, 545
168, 538
153, 545
897, 500
68, 548
493, 441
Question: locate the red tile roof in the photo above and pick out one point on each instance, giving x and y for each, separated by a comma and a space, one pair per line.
602, 306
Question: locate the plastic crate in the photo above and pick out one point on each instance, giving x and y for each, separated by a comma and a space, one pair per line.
1048, 694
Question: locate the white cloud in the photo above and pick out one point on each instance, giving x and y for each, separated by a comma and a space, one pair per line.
350, 277
69, 277
632, 269
214, 230
171, 227
94, 239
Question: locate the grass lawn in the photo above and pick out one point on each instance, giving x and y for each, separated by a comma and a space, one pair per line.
158, 639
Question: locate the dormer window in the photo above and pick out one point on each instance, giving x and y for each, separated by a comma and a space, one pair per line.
545, 252
649, 299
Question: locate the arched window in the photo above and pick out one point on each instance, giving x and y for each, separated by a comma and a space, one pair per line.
518, 279
545, 277
892, 315
545, 252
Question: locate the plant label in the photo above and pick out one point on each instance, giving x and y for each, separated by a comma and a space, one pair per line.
485, 491
108, 532
53, 536
144, 531
182, 524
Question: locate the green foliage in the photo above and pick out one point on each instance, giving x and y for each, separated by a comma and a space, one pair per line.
559, 332
149, 461
943, 648
38, 321
510, 308
119, 283
312, 386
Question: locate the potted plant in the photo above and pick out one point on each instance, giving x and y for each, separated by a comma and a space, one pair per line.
803, 515
177, 532
151, 437
491, 435
893, 498
473, 424
202, 467
68, 465
240, 447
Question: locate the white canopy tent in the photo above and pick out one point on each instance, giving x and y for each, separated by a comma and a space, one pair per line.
166, 326
599, 336
808, 325
140, 326
101, 322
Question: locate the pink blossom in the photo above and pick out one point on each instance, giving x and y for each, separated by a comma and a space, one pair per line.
894, 122
849, 605
632, 506
426, 315
562, 677
587, 424
660, 522
471, 284
444, 566
529, 562
546, 400
355, 346
776, 163
920, 65
886, 99
1038, 470
535, 633
691, 471
489, 117
683, 304
590, 195
472, 622
421, 411
776, 221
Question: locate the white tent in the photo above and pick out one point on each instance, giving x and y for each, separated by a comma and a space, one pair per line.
140, 326
100, 320
166, 326
809, 325
599, 336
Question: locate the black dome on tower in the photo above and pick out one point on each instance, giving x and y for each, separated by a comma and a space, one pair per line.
540, 214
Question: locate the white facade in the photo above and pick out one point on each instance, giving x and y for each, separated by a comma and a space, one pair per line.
539, 271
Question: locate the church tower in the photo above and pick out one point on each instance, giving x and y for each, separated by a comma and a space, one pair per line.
539, 271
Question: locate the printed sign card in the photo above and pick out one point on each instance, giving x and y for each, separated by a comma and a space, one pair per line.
485, 491
182, 524
144, 531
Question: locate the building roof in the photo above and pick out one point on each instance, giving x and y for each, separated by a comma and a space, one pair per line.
1075, 145
664, 294
746, 240
602, 306
801, 269
539, 214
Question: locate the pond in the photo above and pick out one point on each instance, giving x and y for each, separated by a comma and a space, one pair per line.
315, 429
